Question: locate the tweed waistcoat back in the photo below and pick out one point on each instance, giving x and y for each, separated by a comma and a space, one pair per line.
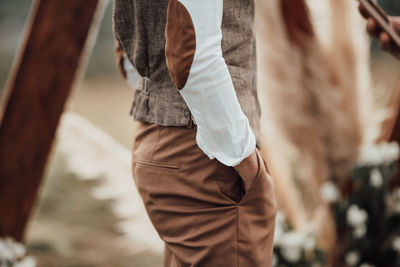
139, 27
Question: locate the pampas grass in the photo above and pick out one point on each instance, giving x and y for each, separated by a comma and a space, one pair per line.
316, 92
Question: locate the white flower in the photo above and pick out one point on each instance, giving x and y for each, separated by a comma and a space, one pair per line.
295, 242
292, 255
378, 154
396, 244
292, 239
309, 243
292, 244
26, 262
352, 258
10, 249
356, 216
281, 218
274, 260
329, 192
280, 225
390, 151
360, 230
278, 234
5, 253
375, 178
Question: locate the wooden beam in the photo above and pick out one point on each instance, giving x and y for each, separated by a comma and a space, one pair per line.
40, 83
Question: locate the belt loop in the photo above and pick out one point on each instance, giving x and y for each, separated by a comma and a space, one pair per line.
145, 85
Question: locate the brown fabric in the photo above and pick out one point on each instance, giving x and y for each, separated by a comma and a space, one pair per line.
197, 204
180, 45
139, 27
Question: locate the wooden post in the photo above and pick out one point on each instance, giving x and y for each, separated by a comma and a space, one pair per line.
42, 76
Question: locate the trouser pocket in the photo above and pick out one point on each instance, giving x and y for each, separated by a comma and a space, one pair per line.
200, 223
231, 186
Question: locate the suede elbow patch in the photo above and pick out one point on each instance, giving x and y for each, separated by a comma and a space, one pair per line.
180, 43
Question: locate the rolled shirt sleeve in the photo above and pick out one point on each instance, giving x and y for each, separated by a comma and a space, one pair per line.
198, 69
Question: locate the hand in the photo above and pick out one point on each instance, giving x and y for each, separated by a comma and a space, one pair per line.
248, 169
374, 30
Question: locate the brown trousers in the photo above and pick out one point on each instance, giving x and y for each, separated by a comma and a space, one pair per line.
197, 205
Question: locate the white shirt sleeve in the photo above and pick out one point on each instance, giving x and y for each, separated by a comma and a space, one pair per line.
223, 131
130, 71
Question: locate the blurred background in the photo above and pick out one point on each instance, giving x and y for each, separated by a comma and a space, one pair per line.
70, 227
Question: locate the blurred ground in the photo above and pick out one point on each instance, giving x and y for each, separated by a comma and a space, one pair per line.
69, 227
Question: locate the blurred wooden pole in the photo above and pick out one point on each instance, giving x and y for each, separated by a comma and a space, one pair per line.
41, 80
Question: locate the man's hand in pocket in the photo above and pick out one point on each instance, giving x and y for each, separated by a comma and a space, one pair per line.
248, 169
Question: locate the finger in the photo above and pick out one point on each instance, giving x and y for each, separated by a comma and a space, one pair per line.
386, 43
384, 39
363, 11
373, 28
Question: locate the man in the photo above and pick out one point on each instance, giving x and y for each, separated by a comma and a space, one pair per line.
203, 182
374, 30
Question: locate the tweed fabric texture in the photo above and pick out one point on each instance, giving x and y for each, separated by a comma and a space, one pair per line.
139, 27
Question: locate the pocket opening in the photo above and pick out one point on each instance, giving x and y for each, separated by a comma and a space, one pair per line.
155, 164
260, 174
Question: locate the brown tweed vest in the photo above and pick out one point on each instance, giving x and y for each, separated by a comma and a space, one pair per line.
139, 27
